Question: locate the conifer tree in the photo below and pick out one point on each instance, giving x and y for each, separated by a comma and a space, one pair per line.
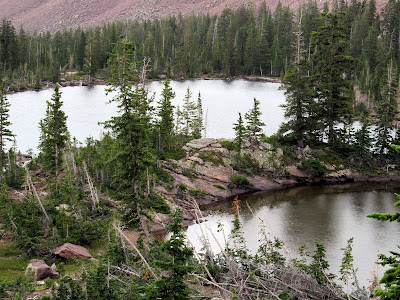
188, 114
299, 94
240, 132
331, 68
166, 122
132, 128
5, 132
198, 126
53, 133
254, 128
387, 107
177, 262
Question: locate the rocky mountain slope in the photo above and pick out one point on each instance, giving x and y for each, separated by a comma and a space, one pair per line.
53, 15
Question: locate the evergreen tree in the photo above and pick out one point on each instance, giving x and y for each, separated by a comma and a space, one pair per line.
178, 263
331, 69
299, 94
254, 131
165, 124
53, 133
132, 129
188, 114
198, 126
387, 107
240, 132
5, 132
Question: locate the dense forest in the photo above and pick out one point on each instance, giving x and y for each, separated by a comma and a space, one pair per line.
334, 64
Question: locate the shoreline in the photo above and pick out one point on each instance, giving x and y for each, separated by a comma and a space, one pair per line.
100, 81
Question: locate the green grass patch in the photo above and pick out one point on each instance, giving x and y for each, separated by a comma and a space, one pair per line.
219, 186
11, 269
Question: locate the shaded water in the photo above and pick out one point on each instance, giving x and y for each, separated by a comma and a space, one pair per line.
87, 106
327, 214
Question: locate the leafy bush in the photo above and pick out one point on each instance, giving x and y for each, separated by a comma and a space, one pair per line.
239, 180
313, 167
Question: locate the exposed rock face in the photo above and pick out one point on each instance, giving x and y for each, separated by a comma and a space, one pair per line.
40, 270
208, 167
70, 250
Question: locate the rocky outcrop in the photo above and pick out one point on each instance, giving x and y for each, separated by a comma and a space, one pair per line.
208, 167
40, 270
69, 250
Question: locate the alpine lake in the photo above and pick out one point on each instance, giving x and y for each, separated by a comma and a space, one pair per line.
298, 216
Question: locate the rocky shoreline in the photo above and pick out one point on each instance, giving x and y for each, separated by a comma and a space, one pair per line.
203, 177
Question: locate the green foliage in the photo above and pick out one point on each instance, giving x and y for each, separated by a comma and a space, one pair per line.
53, 137
14, 174
197, 193
254, 131
5, 132
177, 262
164, 176
313, 167
214, 157
230, 145
238, 181
218, 186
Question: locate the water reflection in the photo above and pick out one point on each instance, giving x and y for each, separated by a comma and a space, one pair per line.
330, 215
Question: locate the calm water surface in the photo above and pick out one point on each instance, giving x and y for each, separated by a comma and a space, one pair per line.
300, 216
87, 106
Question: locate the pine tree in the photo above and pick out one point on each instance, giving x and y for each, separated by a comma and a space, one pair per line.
178, 263
387, 107
5, 132
166, 122
132, 129
188, 114
53, 133
254, 131
198, 126
240, 132
331, 68
299, 94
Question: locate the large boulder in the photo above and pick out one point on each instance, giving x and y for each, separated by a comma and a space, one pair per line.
70, 250
40, 270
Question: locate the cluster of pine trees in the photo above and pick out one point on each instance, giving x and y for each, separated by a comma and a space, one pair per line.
246, 41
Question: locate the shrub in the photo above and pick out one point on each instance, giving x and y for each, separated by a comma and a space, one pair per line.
239, 180
313, 167
230, 145
197, 193
214, 157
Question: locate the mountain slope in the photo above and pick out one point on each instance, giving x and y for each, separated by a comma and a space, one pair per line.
53, 15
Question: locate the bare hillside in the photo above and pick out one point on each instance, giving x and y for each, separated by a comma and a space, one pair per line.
53, 15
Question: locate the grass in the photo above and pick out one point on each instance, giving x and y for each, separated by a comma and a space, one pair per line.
12, 268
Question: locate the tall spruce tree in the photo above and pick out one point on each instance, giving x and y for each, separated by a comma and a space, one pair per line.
188, 114
331, 70
165, 124
387, 107
299, 94
132, 129
54, 133
5, 132
254, 128
198, 126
